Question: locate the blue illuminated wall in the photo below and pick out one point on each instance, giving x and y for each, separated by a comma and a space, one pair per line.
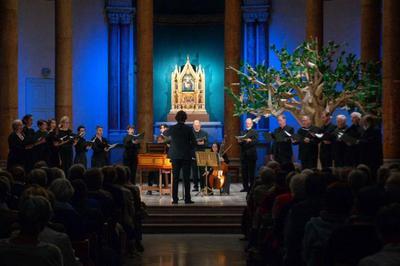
205, 46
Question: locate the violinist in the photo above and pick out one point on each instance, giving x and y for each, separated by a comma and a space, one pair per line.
222, 184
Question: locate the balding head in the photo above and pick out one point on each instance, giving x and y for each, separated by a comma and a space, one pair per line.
196, 125
249, 123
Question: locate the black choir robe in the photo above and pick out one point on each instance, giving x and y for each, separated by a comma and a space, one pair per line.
66, 151
41, 151
339, 148
130, 156
16, 151
308, 152
29, 139
248, 157
326, 149
53, 159
282, 145
353, 151
80, 151
370, 144
100, 156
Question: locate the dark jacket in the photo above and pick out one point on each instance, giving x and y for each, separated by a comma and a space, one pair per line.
100, 156
326, 150
16, 153
248, 150
182, 142
370, 144
308, 151
353, 151
199, 136
131, 149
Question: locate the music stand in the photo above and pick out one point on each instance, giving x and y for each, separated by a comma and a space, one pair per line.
206, 159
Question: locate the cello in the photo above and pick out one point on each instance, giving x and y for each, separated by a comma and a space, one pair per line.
218, 175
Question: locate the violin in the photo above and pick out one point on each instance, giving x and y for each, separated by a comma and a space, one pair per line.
218, 175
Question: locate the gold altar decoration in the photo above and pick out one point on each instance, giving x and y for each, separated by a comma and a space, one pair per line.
188, 92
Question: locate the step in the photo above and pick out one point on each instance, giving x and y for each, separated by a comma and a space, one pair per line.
193, 218
184, 228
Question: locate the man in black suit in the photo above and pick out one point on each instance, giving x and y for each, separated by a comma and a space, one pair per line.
308, 144
201, 144
327, 139
181, 151
248, 154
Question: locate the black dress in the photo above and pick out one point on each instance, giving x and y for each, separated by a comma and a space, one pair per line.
131, 151
100, 156
66, 152
16, 151
29, 134
80, 151
41, 151
53, 159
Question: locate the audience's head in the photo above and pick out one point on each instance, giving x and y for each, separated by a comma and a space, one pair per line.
267, 176
122, 177
315, 186
307, 172
55, 173
62, 189
34, 214
382, 175
17, 126
364, 168
38, 177
297, 186
76, 171
274, 165
39, 164
5, 189
109, 175
339, 199
81, 191
36, 190
357, 179
18, 174
388, 223
181, 116
93, 179
369, 200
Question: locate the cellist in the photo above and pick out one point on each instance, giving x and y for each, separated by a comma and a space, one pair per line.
222, 158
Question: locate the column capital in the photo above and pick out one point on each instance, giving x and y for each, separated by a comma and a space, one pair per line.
256, 10
119, 11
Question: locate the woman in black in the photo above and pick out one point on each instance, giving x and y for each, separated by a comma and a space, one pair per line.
40, 150
66, 138
100, 148
16, 146
53, 159
81, 147
29, 140
131, 150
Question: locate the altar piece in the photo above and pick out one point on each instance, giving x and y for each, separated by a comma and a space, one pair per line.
188, 92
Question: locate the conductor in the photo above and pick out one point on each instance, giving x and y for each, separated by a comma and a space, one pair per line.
181, 151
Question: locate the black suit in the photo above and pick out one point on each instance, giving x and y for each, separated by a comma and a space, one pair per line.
353, 151
181, 152
371, 148
198, 172
248, 157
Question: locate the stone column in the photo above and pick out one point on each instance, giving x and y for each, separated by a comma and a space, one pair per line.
232, 46
391, 80
144, 56
124, 70
113, 33
63, 22
371, 30
8, 70
315, 21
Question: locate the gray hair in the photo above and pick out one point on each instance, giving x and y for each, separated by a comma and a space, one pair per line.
62, 189
297, 185
343, 117
356, 114
16, 123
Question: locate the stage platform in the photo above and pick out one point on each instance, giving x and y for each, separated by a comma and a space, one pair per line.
209, 214
235, 198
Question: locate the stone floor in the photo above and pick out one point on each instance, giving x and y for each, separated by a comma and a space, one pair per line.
191, 250
235, 198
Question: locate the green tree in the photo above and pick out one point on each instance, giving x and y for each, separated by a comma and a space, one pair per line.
309, 82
